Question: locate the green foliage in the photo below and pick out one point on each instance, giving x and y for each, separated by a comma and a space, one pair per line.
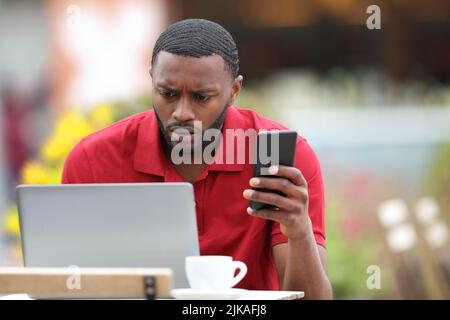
439, 179
348, 258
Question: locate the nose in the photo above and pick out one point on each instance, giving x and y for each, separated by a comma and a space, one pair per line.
183, 112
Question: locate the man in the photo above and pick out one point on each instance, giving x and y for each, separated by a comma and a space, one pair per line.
195, 80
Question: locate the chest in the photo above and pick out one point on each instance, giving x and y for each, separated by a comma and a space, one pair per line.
189, 173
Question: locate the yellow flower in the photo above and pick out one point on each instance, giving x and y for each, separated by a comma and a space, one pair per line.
47, 169
55, 174
101, 116
12, 227
34, 173
70, 129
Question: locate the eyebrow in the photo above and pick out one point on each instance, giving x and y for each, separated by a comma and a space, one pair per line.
199, 91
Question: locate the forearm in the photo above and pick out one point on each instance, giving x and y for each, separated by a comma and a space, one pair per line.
304, 270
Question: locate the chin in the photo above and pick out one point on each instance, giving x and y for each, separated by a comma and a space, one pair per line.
187, 145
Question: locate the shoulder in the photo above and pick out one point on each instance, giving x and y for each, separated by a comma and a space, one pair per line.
104, 146
117, 132
251, 119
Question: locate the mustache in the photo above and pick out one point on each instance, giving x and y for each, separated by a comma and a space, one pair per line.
189, 126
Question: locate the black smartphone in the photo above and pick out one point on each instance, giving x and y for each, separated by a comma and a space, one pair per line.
272, 147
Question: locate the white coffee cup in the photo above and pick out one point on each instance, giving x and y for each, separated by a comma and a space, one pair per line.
213, 273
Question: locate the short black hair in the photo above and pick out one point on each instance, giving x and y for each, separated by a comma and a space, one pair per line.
199, 38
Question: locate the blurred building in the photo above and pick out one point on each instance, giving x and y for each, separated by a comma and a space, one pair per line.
325, 34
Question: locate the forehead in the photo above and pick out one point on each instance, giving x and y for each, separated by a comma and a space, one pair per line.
172, 69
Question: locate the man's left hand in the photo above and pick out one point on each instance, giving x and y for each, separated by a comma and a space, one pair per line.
291, 210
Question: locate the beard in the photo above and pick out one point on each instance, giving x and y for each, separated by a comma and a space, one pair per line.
167, 131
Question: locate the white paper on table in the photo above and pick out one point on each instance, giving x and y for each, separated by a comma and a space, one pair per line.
272, 295
20, 296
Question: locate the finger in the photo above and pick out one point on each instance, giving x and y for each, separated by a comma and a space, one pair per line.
291, 173
279, 216
277, 183
274, 199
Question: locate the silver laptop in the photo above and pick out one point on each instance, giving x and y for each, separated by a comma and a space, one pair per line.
109, 225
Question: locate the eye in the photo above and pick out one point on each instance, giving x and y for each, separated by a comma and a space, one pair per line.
167, 93
201, 97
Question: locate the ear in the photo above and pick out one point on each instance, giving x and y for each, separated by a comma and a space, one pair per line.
235, 89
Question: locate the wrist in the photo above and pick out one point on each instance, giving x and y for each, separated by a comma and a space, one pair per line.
306, 234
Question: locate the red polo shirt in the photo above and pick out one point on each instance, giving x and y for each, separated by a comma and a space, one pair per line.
130, 151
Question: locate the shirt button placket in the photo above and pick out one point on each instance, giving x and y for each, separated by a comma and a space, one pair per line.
199, 188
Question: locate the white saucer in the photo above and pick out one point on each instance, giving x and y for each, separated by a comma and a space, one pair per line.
190, 294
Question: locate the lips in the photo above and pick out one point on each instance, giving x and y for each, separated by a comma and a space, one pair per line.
182, 131
180, 134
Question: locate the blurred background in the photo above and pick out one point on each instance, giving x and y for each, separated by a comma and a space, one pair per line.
374, 104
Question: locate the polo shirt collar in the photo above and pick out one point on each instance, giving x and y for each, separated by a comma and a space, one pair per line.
149, 154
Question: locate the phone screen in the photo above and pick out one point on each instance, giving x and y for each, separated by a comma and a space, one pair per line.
273, 147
